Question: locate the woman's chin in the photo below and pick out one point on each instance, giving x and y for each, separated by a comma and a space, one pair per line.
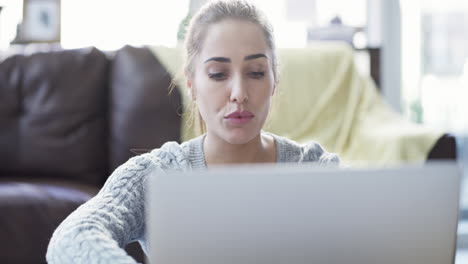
239, 137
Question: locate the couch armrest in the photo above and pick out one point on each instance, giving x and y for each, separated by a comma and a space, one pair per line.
444, 149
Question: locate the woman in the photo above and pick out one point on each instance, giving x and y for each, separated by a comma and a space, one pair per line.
231, 73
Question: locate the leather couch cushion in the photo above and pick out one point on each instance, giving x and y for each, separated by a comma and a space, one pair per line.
143, 114
53, 115
30, 213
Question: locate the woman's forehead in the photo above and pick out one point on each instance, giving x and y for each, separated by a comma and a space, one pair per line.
234, 39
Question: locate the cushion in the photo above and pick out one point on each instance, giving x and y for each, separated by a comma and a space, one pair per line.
143, 113
53, 108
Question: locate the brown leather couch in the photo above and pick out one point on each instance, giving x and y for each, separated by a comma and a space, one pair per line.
67, 119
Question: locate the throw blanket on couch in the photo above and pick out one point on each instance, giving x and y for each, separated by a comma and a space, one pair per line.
322, 97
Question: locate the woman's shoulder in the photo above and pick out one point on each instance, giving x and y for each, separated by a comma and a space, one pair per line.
315, 152
291, 151
171, 156
176, 156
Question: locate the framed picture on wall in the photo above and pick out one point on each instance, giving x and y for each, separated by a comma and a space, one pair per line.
41, 22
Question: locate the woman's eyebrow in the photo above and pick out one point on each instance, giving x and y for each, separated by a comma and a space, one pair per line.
227, 60
255, 56
219, 59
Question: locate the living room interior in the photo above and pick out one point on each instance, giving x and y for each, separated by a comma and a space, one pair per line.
84, 86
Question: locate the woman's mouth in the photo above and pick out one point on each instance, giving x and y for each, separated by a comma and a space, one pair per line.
239, 117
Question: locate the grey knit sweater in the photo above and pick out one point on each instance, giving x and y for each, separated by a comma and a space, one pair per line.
97, 231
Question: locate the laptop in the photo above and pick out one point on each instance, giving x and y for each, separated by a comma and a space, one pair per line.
304, 214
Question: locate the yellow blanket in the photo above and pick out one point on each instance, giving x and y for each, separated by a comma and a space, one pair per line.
322, 97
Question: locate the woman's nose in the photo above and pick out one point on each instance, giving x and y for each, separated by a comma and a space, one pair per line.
238, 91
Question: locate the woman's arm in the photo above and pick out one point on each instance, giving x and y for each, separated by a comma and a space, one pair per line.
98, 230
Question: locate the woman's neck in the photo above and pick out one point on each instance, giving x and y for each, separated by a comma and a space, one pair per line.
261, 149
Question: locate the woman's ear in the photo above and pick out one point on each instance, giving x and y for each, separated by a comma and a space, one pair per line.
189, 93
190, 88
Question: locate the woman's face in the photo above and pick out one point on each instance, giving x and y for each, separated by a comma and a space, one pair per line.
233, 80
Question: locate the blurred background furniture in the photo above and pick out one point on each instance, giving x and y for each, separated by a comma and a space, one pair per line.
68, 118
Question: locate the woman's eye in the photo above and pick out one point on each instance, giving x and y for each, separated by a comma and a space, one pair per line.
218, 76
257, 75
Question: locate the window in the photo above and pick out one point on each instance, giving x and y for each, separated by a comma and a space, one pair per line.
435, 63
435, 69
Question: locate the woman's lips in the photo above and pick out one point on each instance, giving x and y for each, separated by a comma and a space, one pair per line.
239, 117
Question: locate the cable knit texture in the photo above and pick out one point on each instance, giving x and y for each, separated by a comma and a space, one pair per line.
97, 231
